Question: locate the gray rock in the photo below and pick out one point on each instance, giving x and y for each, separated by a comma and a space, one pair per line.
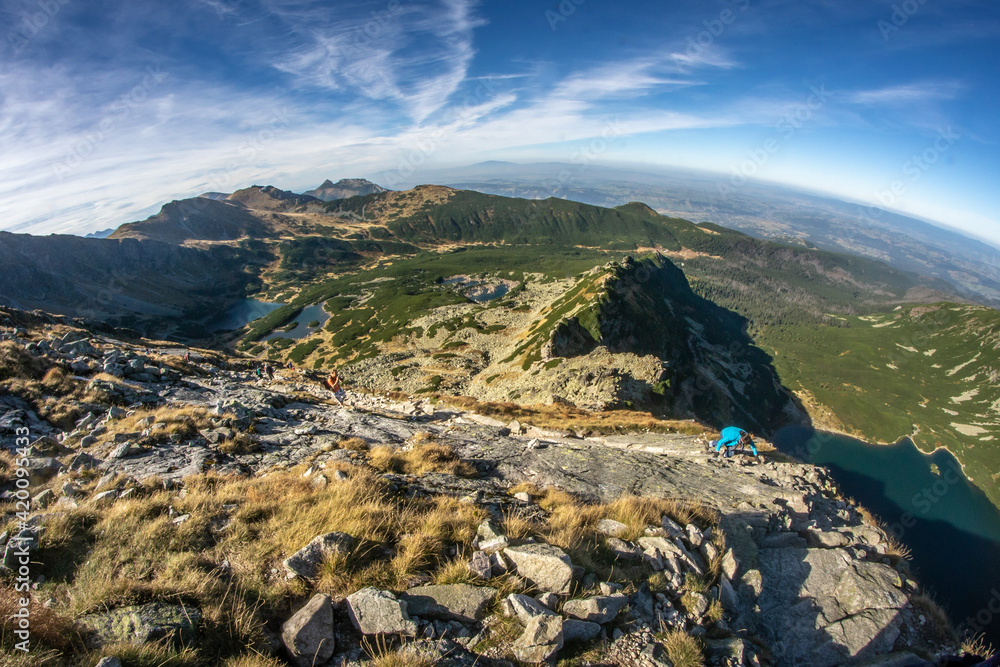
579, 631
624, 551
653, 655
708, 551
823, 608
547, 600
481, 566
694, 535
451, 602
306, 561
673, 529
699, 605
43, 499
899, 659
542, 638
729, 565
526, 608
140, 624
611, 527
104, 498
601, 609
109, 662
727, 595
18, 547
495, 545
826, 539
375, 612
724, 652
523, 496
308, 635
545, 566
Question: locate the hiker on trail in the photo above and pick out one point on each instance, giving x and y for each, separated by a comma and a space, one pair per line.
731, 439
269, 371
333, 384
187, 356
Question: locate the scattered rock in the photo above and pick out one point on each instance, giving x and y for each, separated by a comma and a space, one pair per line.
308, 635
579, 631
306, 561
452, 602
611, 527
140, 624
375, 612
541, 639
546, 566
481, 566
526, 608
601, 609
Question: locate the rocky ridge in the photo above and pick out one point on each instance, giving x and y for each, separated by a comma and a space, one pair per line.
774, 570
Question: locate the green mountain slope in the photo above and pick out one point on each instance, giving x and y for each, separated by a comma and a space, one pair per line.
932, 372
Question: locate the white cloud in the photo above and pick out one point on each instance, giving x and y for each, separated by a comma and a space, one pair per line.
904, 94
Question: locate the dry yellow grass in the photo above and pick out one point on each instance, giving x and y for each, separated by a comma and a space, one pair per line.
420, 458
132, 551
354, 443
977, 645
682, 649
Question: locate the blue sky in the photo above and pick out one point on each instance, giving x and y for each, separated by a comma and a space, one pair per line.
109, 109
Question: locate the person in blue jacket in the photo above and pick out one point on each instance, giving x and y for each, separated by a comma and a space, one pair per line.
731, 438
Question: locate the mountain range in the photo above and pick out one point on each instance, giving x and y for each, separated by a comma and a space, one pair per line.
437, 290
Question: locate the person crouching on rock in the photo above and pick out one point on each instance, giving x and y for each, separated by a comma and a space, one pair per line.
735, 440
333, 384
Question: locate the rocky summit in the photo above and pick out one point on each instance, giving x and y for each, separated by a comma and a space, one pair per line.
187, 508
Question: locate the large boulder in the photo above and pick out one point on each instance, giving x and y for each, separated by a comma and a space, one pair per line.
139, 624
375, 612
306, 561
450, 602
822, 608
545, 566
541, 639
308, 635
601, 609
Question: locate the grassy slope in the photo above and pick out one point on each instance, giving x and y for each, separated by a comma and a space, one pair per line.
932, 370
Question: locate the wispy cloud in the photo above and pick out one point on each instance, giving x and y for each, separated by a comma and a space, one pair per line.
905, 94
416, 55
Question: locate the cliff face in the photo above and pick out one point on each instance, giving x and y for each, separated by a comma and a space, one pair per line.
182, 457
711, 368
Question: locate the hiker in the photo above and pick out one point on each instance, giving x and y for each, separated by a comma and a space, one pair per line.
269, 371
187, 356
731, 438
333, 384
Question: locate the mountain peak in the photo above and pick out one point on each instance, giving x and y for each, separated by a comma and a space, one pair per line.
344, 188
